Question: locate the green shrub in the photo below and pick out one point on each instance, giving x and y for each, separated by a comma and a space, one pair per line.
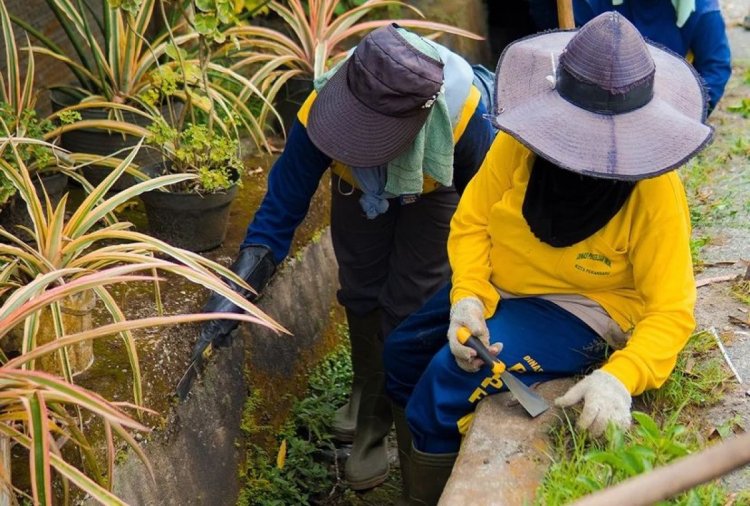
296, 475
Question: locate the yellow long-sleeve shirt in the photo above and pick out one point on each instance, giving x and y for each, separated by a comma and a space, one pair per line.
637, 267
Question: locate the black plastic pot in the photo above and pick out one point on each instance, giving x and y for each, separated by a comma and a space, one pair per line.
100, 142
188, 220
14, 213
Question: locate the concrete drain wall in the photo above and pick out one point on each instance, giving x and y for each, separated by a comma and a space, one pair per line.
196, 456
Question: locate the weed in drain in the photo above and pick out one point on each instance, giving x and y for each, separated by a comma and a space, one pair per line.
582, 466
296, 474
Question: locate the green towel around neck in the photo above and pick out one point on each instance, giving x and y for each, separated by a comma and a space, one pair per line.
431, 152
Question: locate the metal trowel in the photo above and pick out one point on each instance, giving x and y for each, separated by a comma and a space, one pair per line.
532, 402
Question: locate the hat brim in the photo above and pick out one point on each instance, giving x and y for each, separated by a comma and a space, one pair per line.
646, 142
348, 131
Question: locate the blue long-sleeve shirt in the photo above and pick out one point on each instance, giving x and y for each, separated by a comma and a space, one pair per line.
703, 34
297, 172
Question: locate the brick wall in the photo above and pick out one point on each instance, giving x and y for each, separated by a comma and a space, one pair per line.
48, 71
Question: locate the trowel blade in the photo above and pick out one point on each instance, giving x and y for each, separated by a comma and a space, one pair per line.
532, 402
192, 372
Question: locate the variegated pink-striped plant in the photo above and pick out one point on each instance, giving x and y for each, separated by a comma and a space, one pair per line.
85, 249
316, 42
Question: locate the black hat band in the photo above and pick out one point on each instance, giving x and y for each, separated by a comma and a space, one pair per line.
595, 99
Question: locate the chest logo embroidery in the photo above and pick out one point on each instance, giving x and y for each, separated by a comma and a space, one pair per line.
595, 264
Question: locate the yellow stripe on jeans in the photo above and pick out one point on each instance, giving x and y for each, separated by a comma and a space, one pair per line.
464, 423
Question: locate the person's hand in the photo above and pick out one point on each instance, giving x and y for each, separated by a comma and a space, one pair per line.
255, 265
469, 312
605, 399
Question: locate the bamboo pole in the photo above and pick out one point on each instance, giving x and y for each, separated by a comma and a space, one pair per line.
565, 14
677, 477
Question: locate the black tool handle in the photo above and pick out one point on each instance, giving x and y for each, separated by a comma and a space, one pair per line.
473, 342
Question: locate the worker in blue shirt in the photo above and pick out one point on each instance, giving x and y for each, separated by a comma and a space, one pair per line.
691, 28
402, 126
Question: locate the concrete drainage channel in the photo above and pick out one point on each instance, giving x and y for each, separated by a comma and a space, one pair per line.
196, 456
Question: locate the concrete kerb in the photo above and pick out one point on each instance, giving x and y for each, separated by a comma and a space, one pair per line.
196, 457
502, 458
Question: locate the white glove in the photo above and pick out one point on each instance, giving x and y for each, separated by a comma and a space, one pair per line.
469, 312
605, 399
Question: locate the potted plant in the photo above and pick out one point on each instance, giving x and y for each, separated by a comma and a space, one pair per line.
77, 255
194, 213
19, 119
38, 411
121, 71
81, 243
310, 42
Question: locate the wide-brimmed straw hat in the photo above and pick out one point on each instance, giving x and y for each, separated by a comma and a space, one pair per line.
373, 107
601, 101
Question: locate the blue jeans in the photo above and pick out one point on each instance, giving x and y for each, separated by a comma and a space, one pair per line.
541, 341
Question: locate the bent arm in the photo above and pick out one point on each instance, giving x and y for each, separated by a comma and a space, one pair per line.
712, 58
663, 276
291, 185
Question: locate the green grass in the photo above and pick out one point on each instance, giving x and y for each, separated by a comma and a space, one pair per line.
696, 250
741, 291
582, 465
743, 108
740, 147
706, 207
699, 380
295, 474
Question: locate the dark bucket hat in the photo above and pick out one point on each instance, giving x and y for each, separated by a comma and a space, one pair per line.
601, 101
373, 107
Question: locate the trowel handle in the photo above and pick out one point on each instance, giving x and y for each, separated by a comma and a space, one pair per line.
473, 342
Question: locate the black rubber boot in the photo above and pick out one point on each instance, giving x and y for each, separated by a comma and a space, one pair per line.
429, 472
364, 338
367, 465
403, 438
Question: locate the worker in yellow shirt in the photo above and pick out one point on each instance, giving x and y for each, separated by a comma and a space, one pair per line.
569, 248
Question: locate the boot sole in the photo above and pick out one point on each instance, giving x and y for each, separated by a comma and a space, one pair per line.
368, 483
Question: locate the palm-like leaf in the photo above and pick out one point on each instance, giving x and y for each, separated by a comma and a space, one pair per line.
115, 60
87, 251
314, 44
318, 34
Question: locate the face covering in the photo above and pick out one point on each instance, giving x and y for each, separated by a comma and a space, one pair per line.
563, 207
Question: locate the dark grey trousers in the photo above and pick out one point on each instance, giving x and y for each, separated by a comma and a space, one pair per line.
396, 261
